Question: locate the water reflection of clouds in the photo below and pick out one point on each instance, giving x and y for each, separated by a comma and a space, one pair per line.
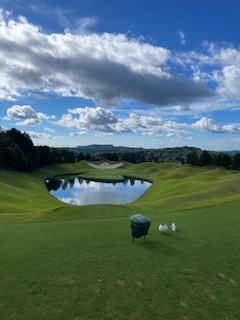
72, 200
86, 192
92, 185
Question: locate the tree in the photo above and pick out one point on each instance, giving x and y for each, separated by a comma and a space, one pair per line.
226, 160
87, 157
20, 161
68, 155
1, 157
57, 155
24, 142
205, 159
217, 159
192, 159
80, 156
236, 161
9, 157
46, 157
132, 158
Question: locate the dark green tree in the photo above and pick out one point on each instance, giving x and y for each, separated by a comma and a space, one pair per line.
69, 156
217, 159
9, 160
87, 156
20, 161
46, 157
205, 159
192, 159
226, 161
132, 157
80, 156
236, 161
24, 142
57, 155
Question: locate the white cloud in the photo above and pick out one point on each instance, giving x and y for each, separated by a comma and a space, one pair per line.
101, 121
209, 125
64, 18
28, 122
182, 37
37, 135
22, 112
229, 56
106, 66
218, 66
95, 116
182, 108
49, 129
229, 81
152, 126
27, 115
37, 96
84, 24
121, 128
143, 122
96, 119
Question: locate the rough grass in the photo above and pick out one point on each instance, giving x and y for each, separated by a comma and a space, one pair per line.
68, 262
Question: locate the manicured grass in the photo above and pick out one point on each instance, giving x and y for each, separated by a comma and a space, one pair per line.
24, 197
68, 262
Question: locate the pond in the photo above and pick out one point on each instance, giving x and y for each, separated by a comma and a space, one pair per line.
79, 191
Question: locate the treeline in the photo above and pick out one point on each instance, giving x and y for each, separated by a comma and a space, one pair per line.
218, 159
18, 152
138, 155
183, 155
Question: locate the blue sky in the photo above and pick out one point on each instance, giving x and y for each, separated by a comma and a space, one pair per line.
148, 74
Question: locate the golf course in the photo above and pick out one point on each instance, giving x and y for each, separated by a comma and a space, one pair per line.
65, 262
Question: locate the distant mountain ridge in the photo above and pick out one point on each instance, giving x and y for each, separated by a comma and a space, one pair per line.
231, 153
100, 148
104, 148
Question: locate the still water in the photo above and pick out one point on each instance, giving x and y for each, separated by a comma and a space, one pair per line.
82, 192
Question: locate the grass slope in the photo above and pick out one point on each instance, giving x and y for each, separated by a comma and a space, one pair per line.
24, 197
80, 263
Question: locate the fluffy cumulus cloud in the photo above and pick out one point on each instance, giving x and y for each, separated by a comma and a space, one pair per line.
22, 112
102, 121
209, 125
143, 122
99, 120
95, 116
229, 81
153, 126
106, 66
26, 115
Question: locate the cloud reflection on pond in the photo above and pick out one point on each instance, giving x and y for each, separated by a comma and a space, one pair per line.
78, 191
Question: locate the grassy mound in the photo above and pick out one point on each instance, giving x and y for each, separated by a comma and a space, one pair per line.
80, 262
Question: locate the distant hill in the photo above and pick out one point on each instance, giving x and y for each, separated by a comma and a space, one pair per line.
231, 153
103, 148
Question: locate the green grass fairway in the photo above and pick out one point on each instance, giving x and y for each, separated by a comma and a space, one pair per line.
61, 262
